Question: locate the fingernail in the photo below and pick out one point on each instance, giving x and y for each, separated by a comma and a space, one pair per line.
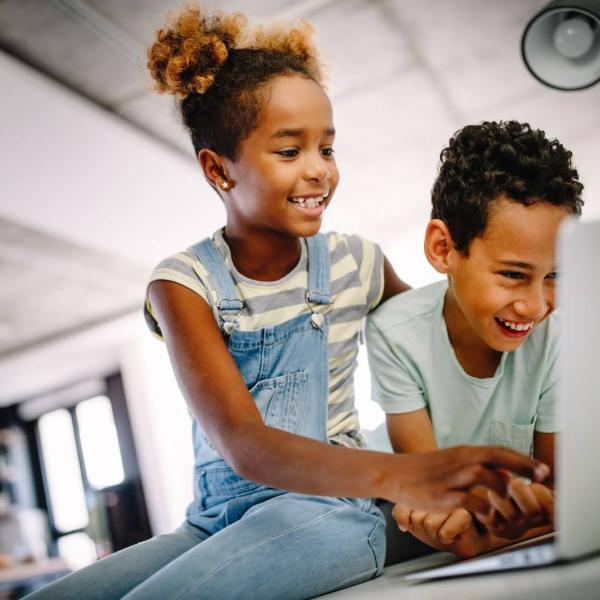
541, 472
402, 529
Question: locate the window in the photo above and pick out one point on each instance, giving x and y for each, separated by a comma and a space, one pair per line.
99, 443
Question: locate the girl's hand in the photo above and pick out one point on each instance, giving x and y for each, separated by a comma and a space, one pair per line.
453, 477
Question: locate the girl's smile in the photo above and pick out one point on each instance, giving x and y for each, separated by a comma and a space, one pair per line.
285, 174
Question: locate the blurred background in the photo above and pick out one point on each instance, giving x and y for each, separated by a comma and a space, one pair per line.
98, 182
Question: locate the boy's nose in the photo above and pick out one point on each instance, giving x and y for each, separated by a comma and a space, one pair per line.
535, 304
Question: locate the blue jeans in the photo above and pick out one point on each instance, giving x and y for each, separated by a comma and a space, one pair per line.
285, 546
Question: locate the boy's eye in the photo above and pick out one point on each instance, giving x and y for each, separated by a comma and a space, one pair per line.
327, 151
512, 274
288, 152
553, 275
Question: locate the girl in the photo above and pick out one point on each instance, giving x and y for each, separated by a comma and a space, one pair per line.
261, 323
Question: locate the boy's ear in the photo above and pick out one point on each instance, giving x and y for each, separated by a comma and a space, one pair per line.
214, 168
438, 245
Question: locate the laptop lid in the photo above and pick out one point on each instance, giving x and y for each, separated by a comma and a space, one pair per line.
578, 449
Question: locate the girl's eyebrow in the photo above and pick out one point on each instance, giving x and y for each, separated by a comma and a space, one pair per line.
280, 133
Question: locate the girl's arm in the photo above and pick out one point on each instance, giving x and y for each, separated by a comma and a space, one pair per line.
218, 398
392, 284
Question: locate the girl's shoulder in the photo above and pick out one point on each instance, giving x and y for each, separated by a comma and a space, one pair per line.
184, 268
356, 269
360, 248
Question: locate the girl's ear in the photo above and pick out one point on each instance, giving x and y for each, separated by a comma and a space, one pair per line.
214, 168
438, 245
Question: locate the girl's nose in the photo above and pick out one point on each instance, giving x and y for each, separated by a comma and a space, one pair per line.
317, 170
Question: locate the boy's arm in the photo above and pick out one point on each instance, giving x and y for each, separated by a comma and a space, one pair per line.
543, 449
411, 431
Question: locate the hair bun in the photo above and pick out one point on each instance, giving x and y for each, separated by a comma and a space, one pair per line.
297, 41
189, 52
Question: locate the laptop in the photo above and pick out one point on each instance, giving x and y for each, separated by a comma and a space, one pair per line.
578, 446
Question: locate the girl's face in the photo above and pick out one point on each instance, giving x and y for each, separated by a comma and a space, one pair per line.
285, 173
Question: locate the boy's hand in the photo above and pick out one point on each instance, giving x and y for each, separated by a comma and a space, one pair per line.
457, 531
454, 531
527, 505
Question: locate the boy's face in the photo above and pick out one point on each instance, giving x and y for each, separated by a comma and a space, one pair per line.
505, 286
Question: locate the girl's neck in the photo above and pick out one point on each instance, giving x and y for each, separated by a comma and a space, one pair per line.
474, 355
264, 256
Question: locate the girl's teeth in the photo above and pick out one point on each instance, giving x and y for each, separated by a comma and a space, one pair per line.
308, 202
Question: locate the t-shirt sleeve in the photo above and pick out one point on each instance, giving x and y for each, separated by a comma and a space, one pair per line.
547, 420
393, 385
180, 268
369, 258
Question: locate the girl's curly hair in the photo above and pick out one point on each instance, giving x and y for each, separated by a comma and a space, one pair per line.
495, 159
218, 67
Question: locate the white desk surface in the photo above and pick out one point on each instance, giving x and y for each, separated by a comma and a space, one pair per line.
574, 581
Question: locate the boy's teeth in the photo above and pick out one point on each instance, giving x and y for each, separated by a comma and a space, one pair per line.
516, 326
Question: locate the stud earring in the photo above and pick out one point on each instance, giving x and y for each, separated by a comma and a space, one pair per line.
225, 185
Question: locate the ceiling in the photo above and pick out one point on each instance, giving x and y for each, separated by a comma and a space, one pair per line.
403, 75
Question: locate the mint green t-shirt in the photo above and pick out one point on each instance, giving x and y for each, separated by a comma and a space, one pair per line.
413, 366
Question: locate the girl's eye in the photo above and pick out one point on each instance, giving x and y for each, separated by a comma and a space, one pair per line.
553, 275
328, 151
289, 153
512, 274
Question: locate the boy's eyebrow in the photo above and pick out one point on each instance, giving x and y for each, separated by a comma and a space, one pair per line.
516, 263
280, 133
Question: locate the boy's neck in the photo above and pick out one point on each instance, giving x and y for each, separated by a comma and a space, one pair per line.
263, 259
474, 355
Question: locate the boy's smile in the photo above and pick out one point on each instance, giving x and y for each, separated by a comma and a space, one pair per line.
504, 287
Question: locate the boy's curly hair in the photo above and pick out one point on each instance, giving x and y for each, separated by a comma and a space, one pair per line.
500, 159
218, 68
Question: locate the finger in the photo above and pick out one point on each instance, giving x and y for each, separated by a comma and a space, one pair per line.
505, 458
525, 499
432, 523
415, 520
401, 514
504, 506
472, 502
545, 497
478, 475
458, 521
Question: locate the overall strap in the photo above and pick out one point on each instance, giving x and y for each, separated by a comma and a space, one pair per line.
319, 270
229, 306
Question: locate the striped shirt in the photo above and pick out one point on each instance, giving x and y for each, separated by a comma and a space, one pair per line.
356, 288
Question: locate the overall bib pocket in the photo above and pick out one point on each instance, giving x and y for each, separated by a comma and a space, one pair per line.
282, 400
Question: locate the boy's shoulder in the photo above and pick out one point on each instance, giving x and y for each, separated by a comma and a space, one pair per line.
415, 307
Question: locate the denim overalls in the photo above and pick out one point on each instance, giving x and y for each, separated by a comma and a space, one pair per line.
243, 539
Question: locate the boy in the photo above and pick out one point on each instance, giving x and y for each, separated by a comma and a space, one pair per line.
472, 360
